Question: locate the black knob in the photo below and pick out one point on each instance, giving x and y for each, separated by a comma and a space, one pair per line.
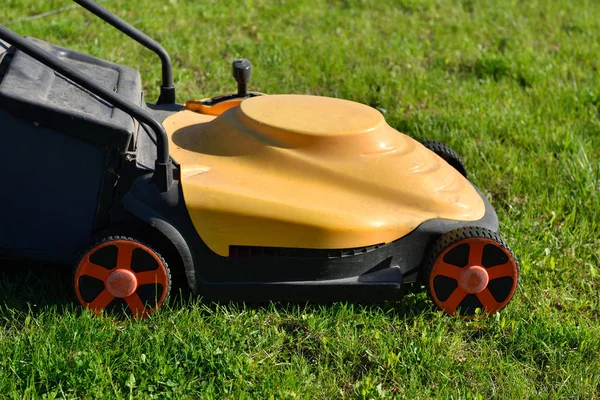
242, 70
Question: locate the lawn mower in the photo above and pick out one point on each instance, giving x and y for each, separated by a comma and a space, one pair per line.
247, 196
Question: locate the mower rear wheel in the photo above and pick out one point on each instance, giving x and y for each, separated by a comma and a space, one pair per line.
447, 154
470, 268
122, 275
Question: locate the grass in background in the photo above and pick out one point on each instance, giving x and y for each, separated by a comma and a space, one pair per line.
512, 86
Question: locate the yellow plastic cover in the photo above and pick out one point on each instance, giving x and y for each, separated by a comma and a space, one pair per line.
310, 172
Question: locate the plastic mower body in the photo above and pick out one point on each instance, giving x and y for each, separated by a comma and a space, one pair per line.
249, 196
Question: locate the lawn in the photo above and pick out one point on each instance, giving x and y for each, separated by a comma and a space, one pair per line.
512, 86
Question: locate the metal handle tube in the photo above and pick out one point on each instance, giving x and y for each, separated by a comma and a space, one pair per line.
167, 90
163, 173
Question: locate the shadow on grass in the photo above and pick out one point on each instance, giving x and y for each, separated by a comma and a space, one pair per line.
27, 288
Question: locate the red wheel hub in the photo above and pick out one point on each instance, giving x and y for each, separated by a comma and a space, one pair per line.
121, 283
473, 279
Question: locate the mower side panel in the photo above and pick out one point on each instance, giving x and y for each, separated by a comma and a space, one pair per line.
50, 187
374, 272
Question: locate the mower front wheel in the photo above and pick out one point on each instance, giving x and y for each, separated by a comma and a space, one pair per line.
470, 268
122, 275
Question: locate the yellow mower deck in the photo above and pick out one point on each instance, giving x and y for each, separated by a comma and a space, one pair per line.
310, 172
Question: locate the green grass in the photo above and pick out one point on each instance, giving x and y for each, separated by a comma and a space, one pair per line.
513, 86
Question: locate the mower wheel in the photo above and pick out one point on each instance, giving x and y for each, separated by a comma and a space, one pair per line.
447, 154
122, 275
470, 268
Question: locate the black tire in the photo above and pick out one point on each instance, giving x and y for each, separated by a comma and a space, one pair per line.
148, 289
470, 268
447, 154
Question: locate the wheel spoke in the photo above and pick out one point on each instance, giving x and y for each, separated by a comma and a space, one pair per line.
449, 270
475, 252
487, 300
136, 306
500, 271
453, 301
125, 254
95, 271
148, 277
101, 301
